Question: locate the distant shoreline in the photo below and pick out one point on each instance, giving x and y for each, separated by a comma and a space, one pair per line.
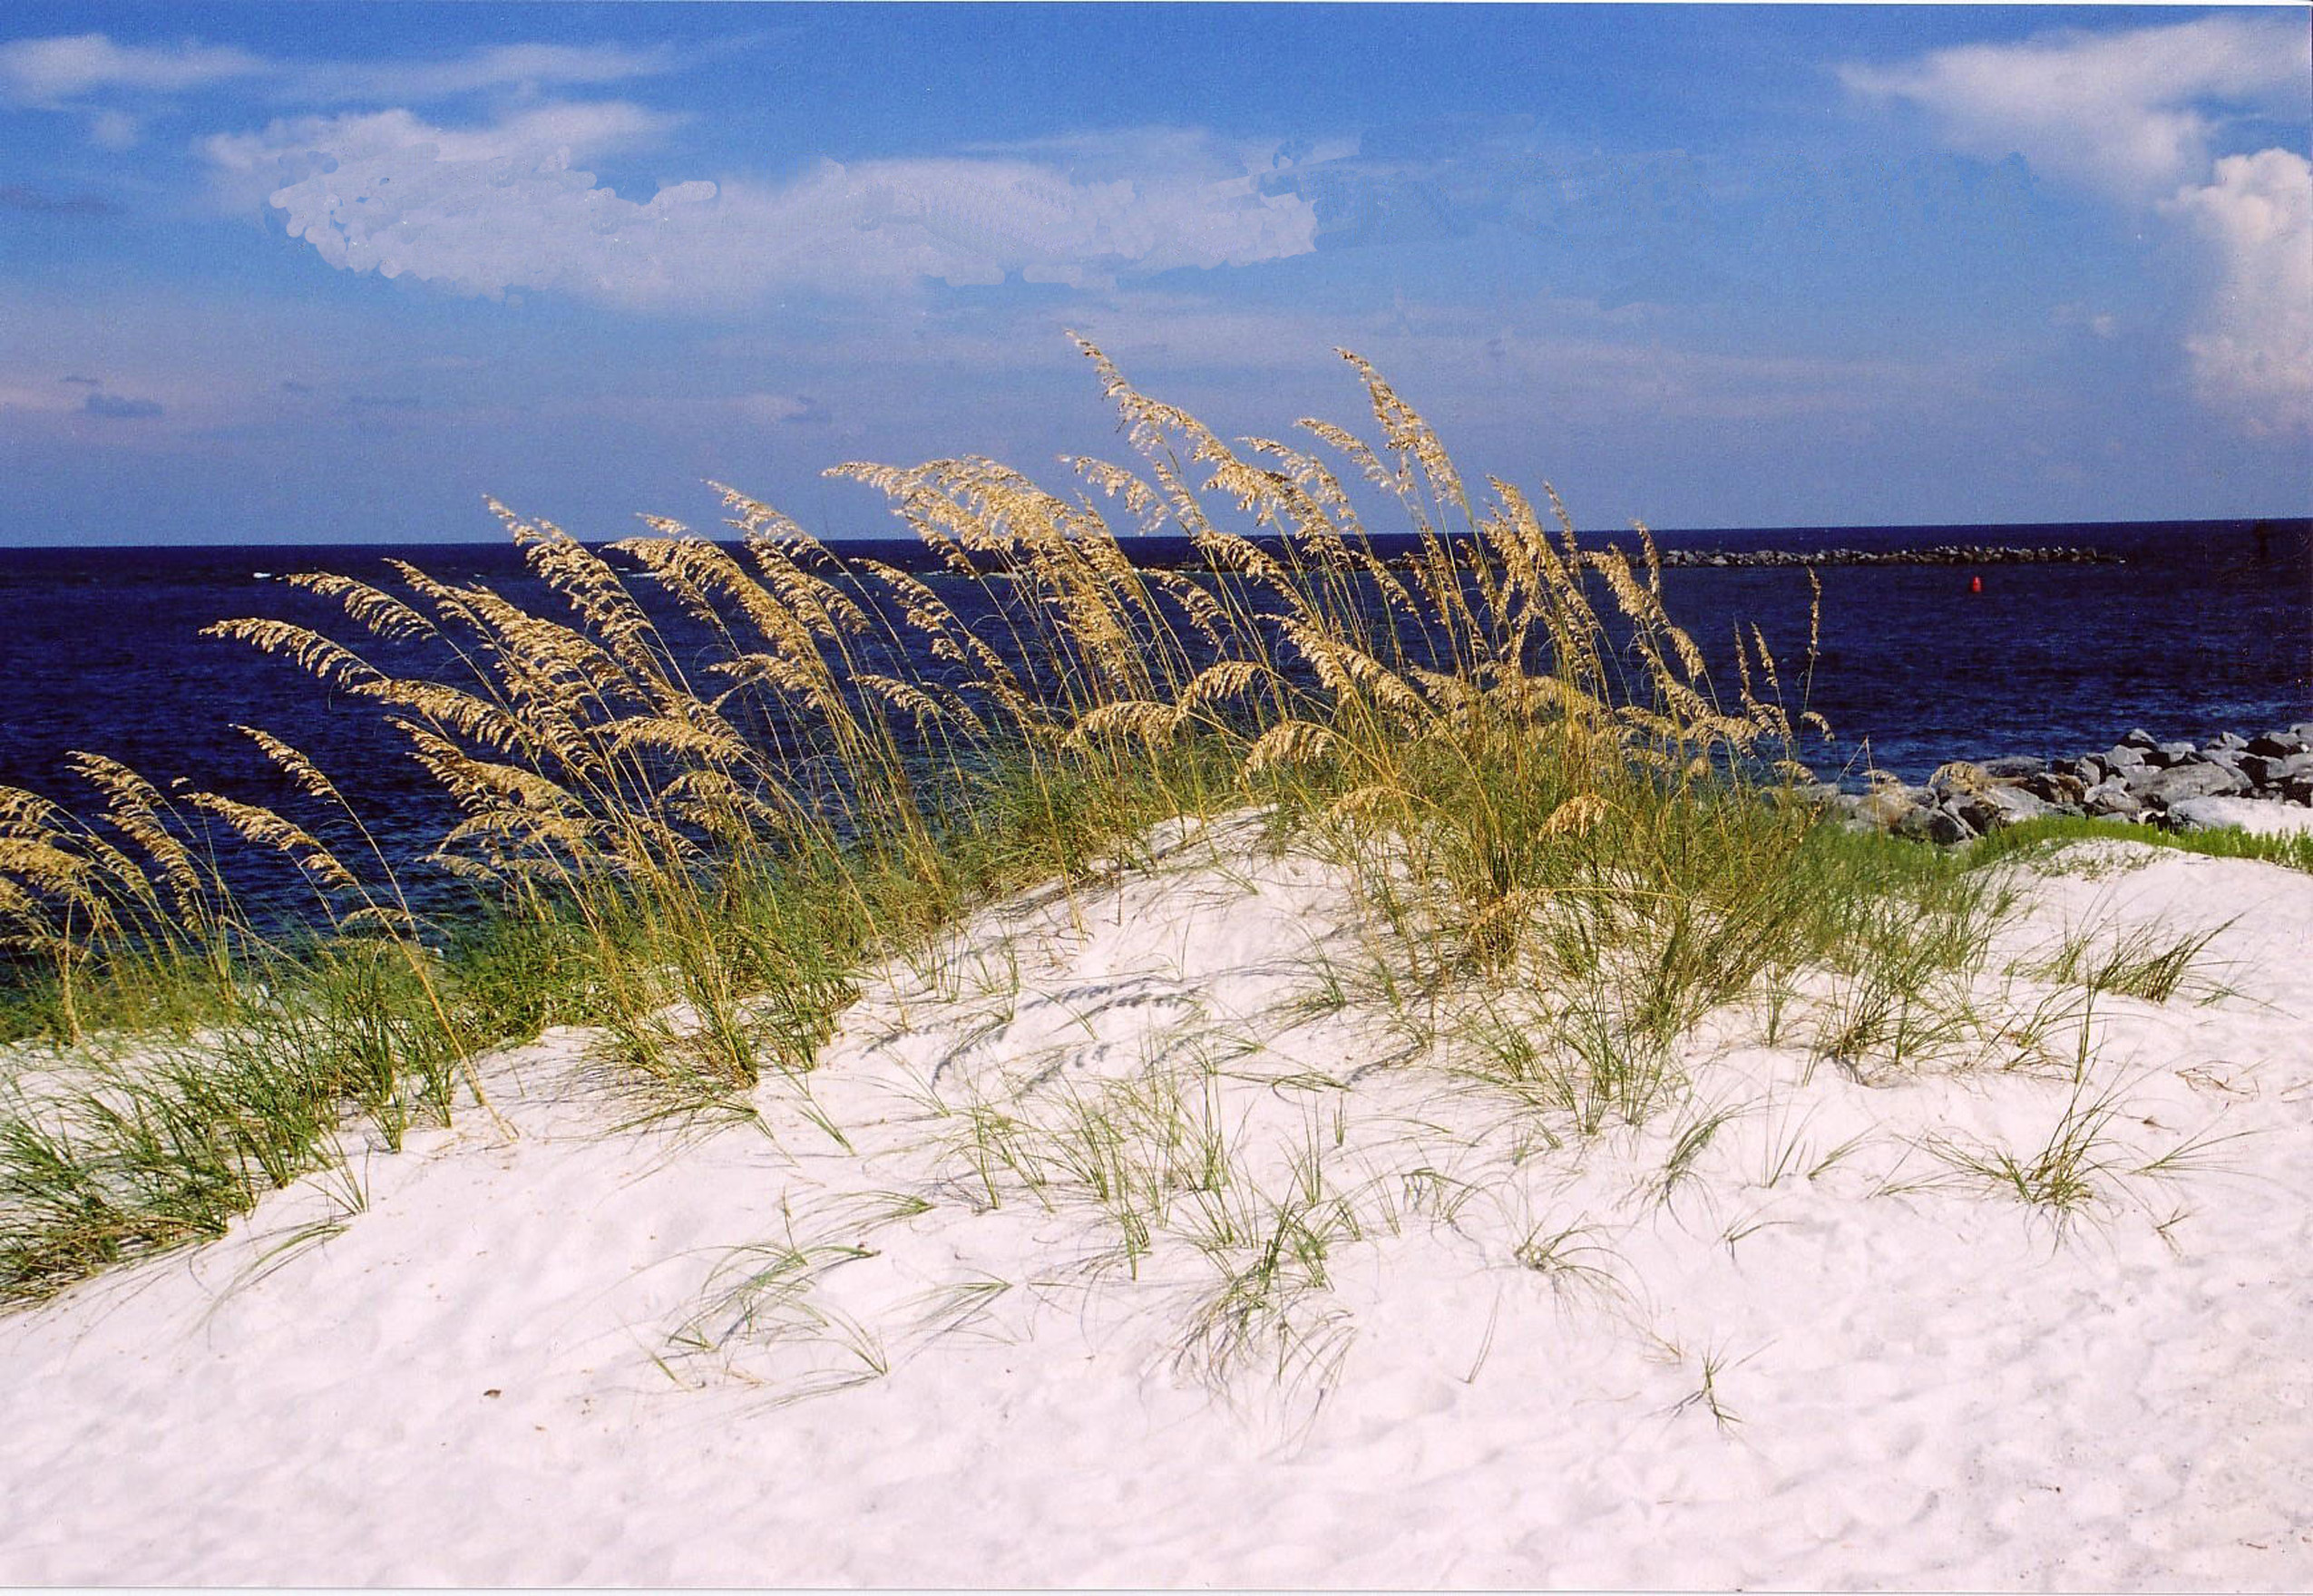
1688, 542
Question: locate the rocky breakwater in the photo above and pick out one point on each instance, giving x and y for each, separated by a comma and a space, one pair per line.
2139, 778
1939, 554
1950, 554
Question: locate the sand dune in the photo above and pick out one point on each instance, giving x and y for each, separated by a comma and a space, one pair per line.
1407, 1342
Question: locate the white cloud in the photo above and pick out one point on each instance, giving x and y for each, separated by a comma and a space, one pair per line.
68, 69
249, 168
500, 207
769, 410
2137, 117
114, 129
28, 393
2103, 323
55, 71
2132, 114
2253, 352
536, 66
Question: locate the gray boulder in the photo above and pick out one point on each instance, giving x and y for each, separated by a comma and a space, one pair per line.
2112, 800
2263, 770
1928, 825
2139, 778
1997, 806
2160, 788
1884, 807
2058, 787
1960, 776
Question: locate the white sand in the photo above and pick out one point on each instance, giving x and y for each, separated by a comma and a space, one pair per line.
482, 1377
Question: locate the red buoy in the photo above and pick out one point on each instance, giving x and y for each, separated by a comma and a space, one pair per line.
1975, 584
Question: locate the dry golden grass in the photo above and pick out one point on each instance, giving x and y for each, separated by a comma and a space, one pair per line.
1503, 729
579, 748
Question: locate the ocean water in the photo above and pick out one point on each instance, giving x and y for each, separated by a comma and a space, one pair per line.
2199, 627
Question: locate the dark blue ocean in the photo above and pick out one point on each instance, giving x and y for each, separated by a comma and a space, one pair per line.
2199, 627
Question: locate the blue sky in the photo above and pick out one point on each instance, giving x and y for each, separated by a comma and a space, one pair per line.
312, 273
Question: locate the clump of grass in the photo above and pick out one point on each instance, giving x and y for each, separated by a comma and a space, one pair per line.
241, 1054
1269, 1309
2084, 1165
1707, 1396
2151, 963
1787, 1153
1244, 1218
1582, 1064
1693, 1139
1571, 1258
1903, 937
2063, 1177
172, 1144
764, 1317
704, 785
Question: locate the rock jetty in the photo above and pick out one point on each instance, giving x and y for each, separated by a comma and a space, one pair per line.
1941, 554
2139, 778
1944, 554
